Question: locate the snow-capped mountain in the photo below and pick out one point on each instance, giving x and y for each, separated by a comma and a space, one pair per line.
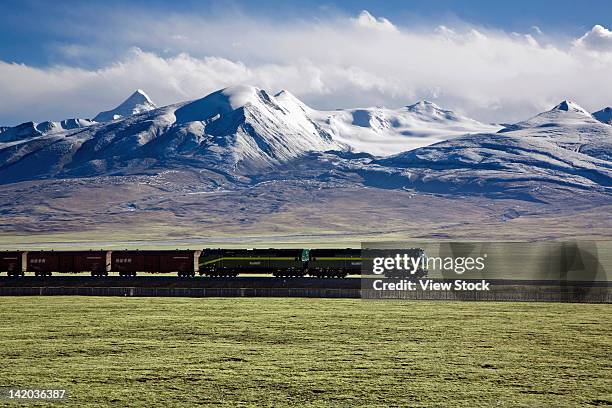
138, 102
32, 129
604, 115
383, 131
569, 126
239, 129
561, 148
245, 135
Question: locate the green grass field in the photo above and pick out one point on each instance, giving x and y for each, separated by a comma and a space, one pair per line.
308, 352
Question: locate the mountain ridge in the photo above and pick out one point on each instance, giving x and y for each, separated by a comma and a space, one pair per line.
243, 134
563, 148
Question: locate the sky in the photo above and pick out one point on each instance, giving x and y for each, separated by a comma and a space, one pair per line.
493, 61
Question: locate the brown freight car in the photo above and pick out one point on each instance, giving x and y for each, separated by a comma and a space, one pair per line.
12, 262
128, 263
43, 263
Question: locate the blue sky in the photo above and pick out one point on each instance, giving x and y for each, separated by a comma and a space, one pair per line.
30, 31
492, 60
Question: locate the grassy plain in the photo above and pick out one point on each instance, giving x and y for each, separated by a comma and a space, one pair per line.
86, 213
307, 352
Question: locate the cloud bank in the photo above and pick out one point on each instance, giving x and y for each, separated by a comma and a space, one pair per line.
336, 62
598, 38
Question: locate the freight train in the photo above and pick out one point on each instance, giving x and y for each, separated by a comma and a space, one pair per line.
321, 263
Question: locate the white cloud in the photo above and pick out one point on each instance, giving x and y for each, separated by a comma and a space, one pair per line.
337, 62
598, 38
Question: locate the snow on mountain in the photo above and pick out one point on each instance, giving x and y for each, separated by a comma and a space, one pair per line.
239, 129
569, 126
235, 130
566, 113
570, 106
138, 102
564, 148
383, 131
243, 134
32, 129
252, 126
604, 115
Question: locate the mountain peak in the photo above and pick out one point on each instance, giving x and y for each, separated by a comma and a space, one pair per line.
221, 102
139, 96
604, 115
240, 95
424, 106
431, 111
137, 102
570, 106
561, 115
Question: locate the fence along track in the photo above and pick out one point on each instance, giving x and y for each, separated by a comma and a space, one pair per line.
500, 293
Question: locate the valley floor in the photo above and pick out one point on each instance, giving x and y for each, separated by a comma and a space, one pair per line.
308, 352
140, 213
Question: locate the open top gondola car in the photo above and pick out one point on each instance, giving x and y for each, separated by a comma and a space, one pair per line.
232, 262
44, 263
12, 262
128, 263
330, 263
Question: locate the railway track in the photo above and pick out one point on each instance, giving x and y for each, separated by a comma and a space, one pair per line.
176, 282
246, 286
242, 282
